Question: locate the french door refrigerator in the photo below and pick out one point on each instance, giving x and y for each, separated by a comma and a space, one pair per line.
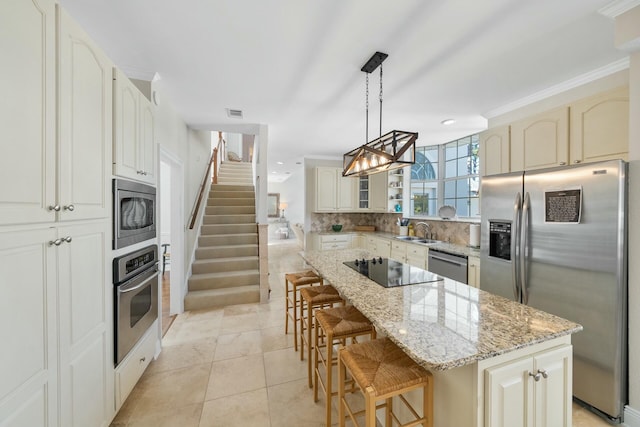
555, 239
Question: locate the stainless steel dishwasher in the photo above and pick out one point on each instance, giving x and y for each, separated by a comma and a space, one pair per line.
448, 265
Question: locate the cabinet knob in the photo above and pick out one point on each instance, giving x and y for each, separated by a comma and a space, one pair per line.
563, 163
54, 208
56, 242
140, 172
535, 376
67, 239
143, 359
69, 208
577, 161
544, 373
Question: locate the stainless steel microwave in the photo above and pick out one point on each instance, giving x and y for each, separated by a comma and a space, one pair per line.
134, 212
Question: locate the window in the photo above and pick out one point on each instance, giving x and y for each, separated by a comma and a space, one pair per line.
446, 175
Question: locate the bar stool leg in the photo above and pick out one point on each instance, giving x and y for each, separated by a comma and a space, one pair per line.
309, 314
286, 307
370, 409
295, 317
342, 373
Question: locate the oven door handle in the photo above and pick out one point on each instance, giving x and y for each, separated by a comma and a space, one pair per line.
127, 287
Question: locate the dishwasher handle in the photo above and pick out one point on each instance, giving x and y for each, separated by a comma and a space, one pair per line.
450, 261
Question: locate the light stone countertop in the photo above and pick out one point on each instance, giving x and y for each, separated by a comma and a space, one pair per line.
441, 325
442, 246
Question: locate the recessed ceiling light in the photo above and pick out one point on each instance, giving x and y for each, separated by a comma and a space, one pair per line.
280, 163
274, 172
448, 122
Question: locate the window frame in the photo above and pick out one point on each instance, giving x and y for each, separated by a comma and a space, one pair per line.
441, 179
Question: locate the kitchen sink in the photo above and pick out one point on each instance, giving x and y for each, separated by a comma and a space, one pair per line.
415, 239
409, 238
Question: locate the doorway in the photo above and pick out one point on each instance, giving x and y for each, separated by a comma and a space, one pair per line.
171, 185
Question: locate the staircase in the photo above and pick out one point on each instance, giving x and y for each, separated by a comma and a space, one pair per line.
226, 270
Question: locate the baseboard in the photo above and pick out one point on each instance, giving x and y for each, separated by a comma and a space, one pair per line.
631, 417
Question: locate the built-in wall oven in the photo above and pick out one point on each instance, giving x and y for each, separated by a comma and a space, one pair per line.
135, 278
134, 212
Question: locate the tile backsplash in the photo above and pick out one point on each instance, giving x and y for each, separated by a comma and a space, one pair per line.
451, 231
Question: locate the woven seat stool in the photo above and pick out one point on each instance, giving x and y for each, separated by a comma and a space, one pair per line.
382, 370
337, 324
292, 301
314, 297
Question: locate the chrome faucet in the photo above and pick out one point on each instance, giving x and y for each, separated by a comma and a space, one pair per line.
426, 226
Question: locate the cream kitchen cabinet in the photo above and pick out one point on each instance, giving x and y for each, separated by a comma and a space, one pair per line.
531, 391
60, 369
28, 390
418, 256
473, 271
333, 192
28, 111
399, 250
85, 335
372, 193
379, 246
378, 192
540, 141
83, 137
335, 241
599, 127
494, 151
358, 241
85, 125
133, 138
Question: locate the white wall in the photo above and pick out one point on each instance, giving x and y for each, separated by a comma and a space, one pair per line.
193, 149
292, 193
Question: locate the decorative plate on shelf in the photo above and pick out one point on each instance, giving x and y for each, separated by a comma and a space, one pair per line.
447, 212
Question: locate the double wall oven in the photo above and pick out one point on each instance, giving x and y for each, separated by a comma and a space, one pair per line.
135, 278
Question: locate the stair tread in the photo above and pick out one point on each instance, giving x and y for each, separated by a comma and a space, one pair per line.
224, 274
227, 290
229, 259
238, 246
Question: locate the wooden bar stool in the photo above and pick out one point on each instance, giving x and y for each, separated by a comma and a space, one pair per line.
315, 297
338, 324
382, 370
292, 303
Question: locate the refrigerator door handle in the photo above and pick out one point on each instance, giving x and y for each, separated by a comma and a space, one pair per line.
526, 206
515, 247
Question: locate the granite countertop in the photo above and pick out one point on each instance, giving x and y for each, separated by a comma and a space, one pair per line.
441, 325
451, 248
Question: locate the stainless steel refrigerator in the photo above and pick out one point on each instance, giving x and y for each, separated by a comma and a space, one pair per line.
555, 239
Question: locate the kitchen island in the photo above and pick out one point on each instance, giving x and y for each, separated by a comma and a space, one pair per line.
495, 362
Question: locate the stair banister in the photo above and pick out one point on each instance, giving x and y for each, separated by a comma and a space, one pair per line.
217, 156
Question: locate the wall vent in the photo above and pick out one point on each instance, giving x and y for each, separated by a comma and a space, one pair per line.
236, 114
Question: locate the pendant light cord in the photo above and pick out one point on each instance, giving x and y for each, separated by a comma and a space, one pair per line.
380, 100
366, 133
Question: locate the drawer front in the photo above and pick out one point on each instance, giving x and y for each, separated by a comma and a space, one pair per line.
334, 245
398, 246
415, 251
343, 238
132, 367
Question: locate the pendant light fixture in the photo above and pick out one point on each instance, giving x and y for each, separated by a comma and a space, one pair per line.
392, 150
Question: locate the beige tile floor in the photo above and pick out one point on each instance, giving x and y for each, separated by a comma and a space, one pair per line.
236, 367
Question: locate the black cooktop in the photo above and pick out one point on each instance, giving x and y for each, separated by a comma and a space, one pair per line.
391, 273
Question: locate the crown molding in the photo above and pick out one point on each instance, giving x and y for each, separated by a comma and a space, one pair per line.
618, 7
580, 80
139, 74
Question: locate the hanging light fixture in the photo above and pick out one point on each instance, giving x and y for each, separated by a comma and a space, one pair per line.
392, 150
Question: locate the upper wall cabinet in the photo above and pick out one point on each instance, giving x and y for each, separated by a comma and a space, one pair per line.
333, 192
540, 141
85, 124
133, 139
28, 111
600, 127
30, 135
494, 151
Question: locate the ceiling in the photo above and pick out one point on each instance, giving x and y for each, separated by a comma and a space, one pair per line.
295, 65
